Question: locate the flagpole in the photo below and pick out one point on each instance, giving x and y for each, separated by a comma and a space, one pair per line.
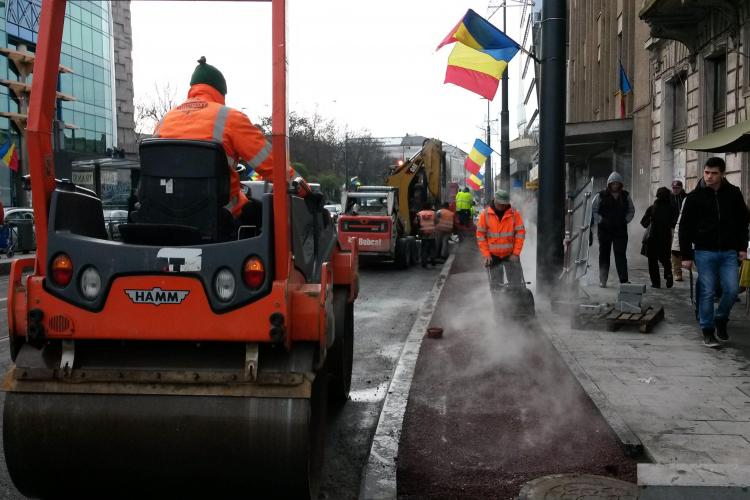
488, 164
505, 125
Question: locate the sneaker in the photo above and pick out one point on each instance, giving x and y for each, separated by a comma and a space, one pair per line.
721, 329
602, 284
708, 338
678, 278
669, 281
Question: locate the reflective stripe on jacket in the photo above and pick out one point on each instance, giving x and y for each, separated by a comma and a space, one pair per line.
500, 237
463, 200
204, 117
444, 220
426, 222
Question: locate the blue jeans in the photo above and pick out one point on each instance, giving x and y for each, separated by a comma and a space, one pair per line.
711, 265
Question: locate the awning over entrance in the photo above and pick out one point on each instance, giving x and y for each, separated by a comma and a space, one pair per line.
727, 140
585, 140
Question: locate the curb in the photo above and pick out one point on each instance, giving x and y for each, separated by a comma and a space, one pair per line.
379, 477
631, 444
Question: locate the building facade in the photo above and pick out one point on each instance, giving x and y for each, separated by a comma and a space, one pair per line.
605, 93
97, 85
700, 88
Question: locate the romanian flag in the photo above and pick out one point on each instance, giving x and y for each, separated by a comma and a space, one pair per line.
478, 33
9, 155
479, 154
475, 181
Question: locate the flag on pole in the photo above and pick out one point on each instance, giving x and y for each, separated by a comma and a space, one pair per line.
478, 60
625, 89
478, 33
475, 181
9, 154
478, 155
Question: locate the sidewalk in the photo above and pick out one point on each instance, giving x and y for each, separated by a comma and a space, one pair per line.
687, 404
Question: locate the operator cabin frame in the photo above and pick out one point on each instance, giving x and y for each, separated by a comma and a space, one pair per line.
41, 114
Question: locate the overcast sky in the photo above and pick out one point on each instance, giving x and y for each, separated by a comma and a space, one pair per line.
370, 65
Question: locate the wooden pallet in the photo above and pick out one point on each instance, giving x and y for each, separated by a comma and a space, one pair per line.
614, 319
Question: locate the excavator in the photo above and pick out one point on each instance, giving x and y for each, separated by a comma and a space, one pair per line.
419, 180
192, 359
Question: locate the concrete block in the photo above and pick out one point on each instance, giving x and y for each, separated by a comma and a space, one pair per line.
693, 481
639, 288
633, 298
628, 307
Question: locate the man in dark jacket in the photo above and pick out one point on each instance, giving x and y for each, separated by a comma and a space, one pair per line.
613, 210
713, 233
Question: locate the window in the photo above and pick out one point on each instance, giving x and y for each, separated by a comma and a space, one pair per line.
679, 111
719, 91
599, 22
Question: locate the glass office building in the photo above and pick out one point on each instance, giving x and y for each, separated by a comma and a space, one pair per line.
88, 122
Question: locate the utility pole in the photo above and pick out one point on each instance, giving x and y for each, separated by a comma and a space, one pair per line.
346, 162
504, 123
488, 192
551, 203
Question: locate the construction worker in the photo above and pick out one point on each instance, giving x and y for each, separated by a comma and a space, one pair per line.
425, 225
500, 236
443, 230
203, 116
464, 204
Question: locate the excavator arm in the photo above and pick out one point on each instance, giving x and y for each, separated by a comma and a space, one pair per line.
418, 180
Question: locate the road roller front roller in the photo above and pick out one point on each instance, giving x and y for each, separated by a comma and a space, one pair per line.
193, 357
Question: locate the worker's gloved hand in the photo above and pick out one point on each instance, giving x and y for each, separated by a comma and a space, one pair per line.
487, 261
514, 258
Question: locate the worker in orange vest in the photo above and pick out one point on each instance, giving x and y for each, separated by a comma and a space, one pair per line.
443, 230
205, 117
425, 225
500, 236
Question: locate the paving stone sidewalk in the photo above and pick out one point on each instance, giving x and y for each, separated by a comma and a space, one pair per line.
686, 403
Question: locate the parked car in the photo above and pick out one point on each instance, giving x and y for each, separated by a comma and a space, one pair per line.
335, 210
21, 215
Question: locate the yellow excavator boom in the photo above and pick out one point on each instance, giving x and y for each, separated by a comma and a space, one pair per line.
424, 169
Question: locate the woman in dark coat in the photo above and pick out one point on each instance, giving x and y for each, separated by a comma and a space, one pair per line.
659, 219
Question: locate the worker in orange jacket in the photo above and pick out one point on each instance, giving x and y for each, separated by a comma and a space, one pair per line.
424, 222
205, 117
500, 236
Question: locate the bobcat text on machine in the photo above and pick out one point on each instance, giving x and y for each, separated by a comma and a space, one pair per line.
191, 358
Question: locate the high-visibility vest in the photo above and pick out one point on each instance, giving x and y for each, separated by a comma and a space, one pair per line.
426, 222
204, 117
500, 237
445, 222
463, 201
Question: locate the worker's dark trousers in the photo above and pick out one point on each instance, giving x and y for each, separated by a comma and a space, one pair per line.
427, 251
512, 269
464, 216
616, 239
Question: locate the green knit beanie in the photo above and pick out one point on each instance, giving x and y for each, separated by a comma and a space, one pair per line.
205, 73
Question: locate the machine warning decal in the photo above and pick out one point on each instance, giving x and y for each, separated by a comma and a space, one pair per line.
157, 296
179, 260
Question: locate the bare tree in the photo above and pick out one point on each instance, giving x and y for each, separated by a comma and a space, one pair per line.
150, 111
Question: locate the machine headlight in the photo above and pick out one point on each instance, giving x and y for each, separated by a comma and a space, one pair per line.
91, 283
225, 285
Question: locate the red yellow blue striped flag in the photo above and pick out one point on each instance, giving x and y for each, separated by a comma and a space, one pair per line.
478, 155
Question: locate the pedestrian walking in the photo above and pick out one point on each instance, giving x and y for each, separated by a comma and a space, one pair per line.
613, 210
443, 230
678, 196
425, 225
500, 236
713, 234
659, 220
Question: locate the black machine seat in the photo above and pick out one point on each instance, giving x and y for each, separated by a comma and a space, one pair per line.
183, 183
